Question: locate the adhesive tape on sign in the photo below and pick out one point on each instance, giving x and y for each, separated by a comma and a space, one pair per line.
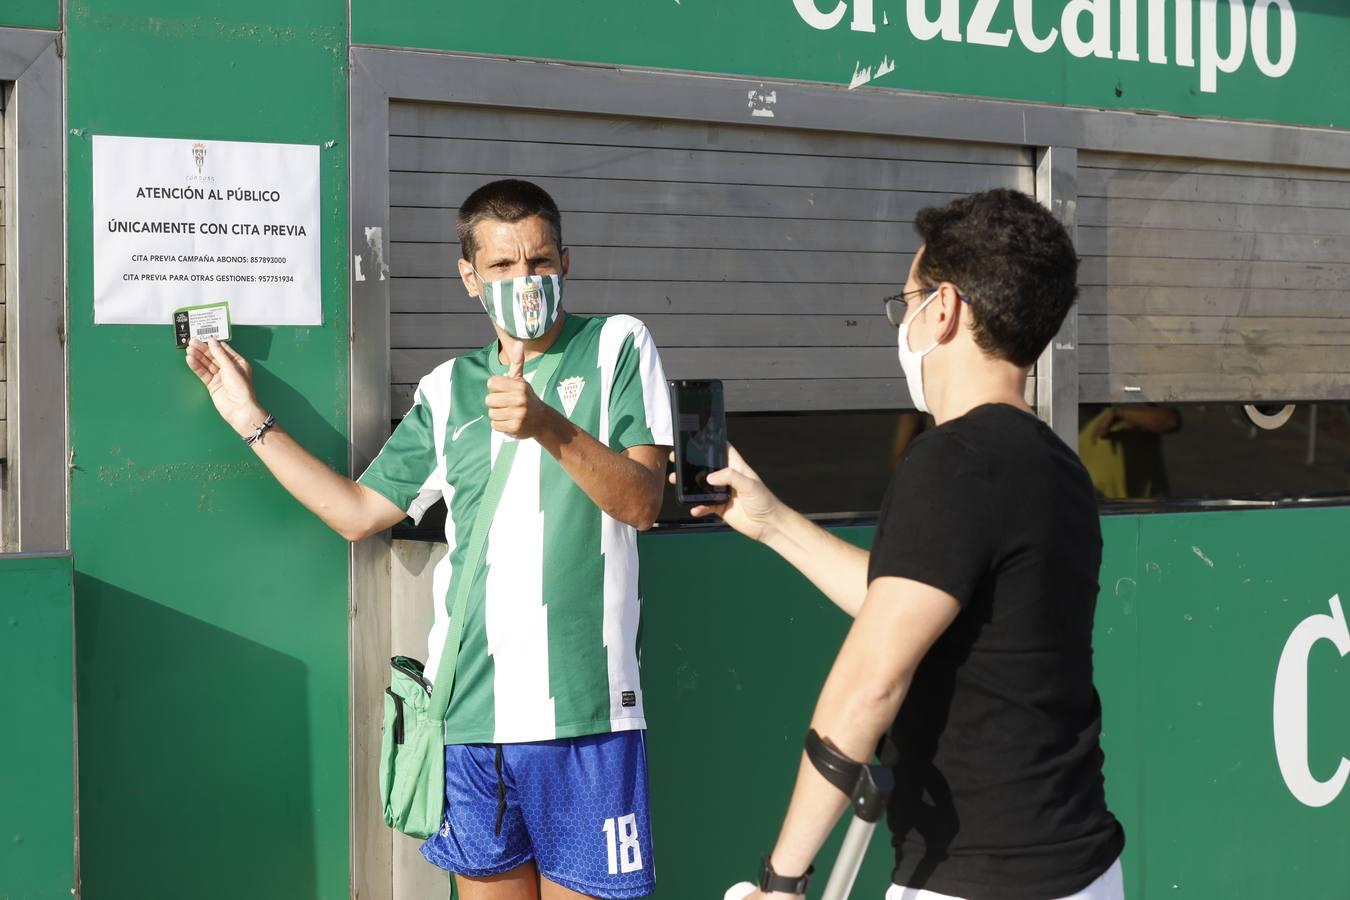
1268, 420
739, 891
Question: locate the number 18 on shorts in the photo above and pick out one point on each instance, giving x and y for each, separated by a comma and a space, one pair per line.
576, 806
625, 847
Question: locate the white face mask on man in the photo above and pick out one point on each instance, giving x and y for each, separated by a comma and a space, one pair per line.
911, 361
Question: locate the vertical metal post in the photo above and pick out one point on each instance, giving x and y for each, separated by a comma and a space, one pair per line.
1311, 458
1057, 369
38, 463
9, 506
372, 842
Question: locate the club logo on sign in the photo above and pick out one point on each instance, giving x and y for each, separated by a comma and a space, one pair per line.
569, 391
199, 156
530, 302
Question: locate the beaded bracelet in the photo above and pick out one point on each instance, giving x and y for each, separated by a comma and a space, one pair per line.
262, 429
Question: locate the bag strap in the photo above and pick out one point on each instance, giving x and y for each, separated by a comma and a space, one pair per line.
482, 524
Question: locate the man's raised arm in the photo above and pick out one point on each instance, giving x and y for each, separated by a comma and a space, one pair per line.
836, 567
352, 510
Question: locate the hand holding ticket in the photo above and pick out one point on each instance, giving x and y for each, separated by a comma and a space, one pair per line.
228, 378
209, 322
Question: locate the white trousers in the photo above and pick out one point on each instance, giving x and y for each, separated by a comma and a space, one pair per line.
1110, 885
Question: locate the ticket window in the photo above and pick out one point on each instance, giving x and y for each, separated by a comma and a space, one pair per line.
1210, 293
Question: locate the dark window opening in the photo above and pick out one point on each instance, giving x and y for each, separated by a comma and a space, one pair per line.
1140, 456
1177, 454
822, 464
819, 463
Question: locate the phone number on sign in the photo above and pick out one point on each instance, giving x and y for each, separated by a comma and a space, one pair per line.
284, 279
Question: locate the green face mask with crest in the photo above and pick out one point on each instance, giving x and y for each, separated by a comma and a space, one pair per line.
525, 307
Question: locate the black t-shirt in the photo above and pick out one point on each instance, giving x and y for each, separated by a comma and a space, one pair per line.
999, 790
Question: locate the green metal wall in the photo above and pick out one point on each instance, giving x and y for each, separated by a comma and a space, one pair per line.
1194, 613
31, 14
771, 39
37, 722
735, 648
211, 609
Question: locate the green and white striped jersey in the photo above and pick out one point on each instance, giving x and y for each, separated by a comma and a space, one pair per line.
551, 633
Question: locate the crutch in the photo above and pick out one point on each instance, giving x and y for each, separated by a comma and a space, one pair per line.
867, 787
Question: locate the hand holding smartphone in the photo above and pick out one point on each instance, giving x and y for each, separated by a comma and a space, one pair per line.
700, 440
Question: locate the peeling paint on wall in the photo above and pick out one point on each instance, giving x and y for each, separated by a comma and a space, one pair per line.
375, 244
762, 102
862, 76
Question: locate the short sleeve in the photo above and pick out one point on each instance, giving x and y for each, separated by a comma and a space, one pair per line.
639, 399
934, 526
408, 472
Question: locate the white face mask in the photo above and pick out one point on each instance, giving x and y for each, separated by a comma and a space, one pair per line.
525, 307
912, 360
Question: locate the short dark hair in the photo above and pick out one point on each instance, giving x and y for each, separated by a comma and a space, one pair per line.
1012, 259
508, 200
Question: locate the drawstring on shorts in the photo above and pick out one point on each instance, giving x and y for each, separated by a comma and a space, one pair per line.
501, 795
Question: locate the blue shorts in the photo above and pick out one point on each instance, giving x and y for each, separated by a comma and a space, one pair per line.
576, 806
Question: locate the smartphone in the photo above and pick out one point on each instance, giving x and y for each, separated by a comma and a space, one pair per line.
700, 439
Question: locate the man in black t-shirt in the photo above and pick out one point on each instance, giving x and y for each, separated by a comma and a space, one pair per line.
970, 658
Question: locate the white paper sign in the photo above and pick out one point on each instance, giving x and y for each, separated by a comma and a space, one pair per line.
182, 223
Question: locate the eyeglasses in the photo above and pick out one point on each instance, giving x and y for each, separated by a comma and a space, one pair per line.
896, 304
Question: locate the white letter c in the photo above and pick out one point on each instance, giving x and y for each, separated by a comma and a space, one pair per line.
1291, 707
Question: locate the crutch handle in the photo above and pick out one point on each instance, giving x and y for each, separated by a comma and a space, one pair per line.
739, 891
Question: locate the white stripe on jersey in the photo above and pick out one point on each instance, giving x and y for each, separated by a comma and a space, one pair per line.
440, 592
515, 614
655, 390
618, 546
435, 388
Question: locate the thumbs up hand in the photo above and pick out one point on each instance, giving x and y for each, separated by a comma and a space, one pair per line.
513, 407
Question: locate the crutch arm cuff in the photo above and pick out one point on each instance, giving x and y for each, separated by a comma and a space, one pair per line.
866, 786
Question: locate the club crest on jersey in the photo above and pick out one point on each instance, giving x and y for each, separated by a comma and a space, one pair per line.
530, 302
569, 391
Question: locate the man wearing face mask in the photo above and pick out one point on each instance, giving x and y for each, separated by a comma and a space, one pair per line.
546, 777
970, 658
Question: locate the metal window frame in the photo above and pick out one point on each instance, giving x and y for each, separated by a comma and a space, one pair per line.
39, 474
381, 75
1057, 369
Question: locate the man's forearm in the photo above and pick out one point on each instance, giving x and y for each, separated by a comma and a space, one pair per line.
816, 805
852, 714
624, 489
341, 503
1155, 419
836, 567
858, 703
